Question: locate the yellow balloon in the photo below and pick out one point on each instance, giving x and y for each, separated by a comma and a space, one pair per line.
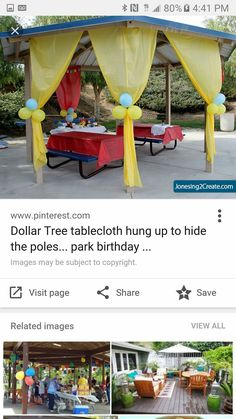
25, 113
38, 115
221, 109
119, 112
83, 360
20, 375
74, 115
63, 112
212, 108
134, 112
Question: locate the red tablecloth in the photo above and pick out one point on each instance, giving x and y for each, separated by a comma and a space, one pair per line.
105, 147
144, 131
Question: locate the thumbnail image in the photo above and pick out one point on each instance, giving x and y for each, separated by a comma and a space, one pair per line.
43, 378
192, 378
141, 96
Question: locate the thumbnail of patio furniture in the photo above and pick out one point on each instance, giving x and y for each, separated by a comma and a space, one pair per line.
183, 381
146, 387
197, 382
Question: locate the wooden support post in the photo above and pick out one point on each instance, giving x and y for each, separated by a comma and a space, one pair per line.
14, 383
29, 133
103, 373
90, 372
209, 166
9, 381
205, 116
39, 176
168, 95
25, 387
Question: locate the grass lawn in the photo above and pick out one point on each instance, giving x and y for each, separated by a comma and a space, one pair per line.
185, 123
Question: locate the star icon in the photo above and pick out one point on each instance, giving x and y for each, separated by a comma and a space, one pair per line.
183, 293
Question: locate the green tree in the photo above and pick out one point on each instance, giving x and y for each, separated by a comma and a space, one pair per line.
183, 94
226, 24
49, 20
11, 74
221, 357
97, 81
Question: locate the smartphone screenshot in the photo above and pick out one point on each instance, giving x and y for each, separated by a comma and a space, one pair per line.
117, 204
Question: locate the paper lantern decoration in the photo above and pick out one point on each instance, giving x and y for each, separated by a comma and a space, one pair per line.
29, 381
72, 364
13, 357
83, 360
20, 375
30, 372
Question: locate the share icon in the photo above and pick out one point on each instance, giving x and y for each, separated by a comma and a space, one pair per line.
101, 292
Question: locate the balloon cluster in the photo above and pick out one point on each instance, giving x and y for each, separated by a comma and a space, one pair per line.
69, 115
126, 108
27, 375
217, 107
31, 110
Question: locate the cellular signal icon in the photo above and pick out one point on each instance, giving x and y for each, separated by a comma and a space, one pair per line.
157, 9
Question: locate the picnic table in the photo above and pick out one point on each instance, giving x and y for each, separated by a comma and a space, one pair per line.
86, 147
143, 133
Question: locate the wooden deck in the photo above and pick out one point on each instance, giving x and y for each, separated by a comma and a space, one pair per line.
179, 403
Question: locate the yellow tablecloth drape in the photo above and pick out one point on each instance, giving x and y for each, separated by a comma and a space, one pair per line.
201, 61
125, 57
50, 56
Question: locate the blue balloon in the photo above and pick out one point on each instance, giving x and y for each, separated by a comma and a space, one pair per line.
126, 100
30, 372
32, 104
70, 110
69, 118
219, 99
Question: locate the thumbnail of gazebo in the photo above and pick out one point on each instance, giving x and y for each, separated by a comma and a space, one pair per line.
124, 49
52, 355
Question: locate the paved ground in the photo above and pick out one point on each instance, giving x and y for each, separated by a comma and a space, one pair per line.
157, 172
10, 409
